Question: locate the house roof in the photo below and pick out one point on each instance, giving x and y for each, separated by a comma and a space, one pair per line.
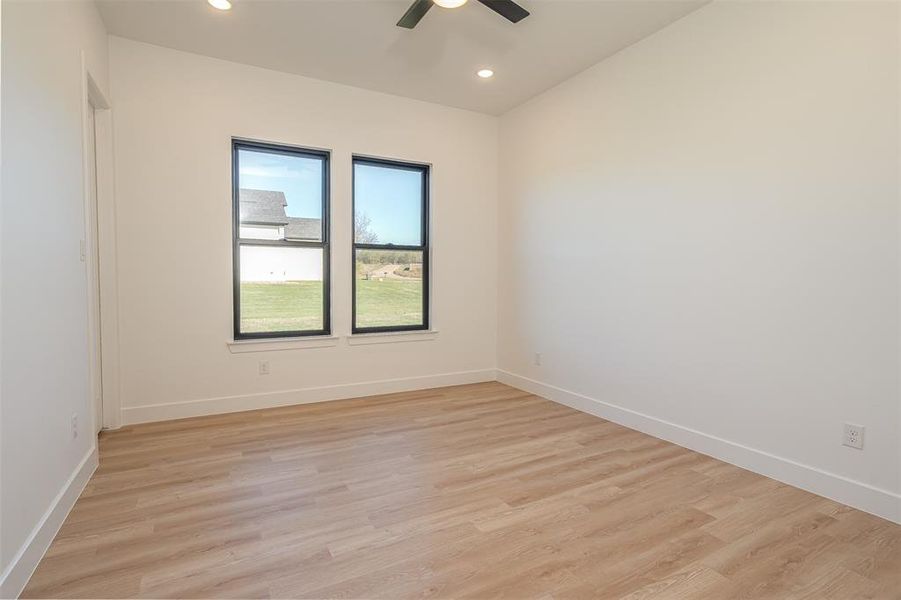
266, 207
263, 207
301, 228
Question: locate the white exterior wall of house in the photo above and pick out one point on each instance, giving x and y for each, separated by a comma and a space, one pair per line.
272, 264
262, 232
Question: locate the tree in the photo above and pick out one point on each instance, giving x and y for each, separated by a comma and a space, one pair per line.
363, 233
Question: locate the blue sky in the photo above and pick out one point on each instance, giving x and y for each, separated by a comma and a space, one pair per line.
299, 178
390, 197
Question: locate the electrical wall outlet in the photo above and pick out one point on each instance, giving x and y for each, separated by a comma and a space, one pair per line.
538, 359
264, 367
853, 436
74, 425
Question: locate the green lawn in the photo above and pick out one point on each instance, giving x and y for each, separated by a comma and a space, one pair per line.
389, 302
291, 306
297, 305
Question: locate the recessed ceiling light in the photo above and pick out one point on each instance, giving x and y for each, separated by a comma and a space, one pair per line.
220, 4
485, 73
450, 3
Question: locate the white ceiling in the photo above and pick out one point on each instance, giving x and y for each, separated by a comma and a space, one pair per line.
356, 42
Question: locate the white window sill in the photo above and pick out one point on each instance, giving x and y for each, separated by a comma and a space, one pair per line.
272, 344
391, 337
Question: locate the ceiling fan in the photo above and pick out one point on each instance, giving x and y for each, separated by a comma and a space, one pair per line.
505, 8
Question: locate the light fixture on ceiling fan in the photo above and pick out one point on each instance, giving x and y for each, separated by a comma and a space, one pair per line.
508, 9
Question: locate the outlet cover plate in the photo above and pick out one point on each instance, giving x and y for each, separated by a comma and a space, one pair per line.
853, 437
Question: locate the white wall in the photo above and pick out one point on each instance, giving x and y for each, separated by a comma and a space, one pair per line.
703, 230
174, 116
43, 354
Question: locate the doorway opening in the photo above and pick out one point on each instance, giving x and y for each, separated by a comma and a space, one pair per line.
98, 255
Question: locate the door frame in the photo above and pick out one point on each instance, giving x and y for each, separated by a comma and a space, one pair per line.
101, 236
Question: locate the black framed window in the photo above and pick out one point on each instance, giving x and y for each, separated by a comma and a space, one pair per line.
391, 246
281, 247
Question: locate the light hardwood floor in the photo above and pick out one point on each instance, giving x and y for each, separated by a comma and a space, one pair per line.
476, 491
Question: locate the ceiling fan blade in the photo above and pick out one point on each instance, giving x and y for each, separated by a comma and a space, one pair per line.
416, 12
507, 9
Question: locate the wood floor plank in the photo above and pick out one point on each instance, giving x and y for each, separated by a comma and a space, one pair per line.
477, 491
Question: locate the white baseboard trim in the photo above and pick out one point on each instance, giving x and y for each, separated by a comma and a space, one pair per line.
228, 404
26, 560
879, 502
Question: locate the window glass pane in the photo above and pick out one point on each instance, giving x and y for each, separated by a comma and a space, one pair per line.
281, 289
387, 205
280, 196
389, 288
